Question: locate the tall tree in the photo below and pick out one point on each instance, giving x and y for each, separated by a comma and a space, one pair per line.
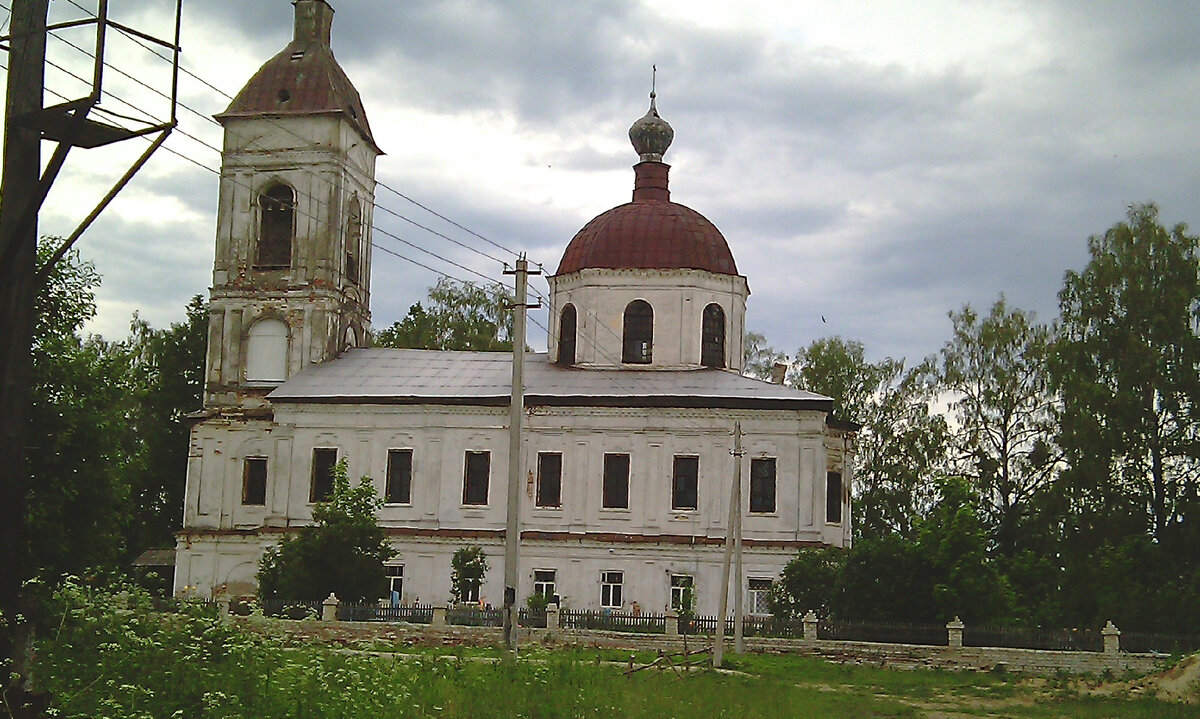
460, 316
901, 447
1127, 366
761, 357
1005, 413
80, 434
169, 365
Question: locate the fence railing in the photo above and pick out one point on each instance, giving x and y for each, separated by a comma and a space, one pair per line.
613, 621
887, 632
754, 626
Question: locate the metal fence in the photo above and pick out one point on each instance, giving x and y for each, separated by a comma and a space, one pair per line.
375, 612
613, 621
1147, 642
287, 608
1071, 640
886, 632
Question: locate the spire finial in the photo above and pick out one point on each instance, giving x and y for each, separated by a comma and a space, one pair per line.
651, 135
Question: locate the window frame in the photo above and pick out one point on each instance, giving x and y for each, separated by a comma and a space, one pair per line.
774, 484
611, 480
467, 479
694, 480
391, 579
833, 500
753, 593
354, 240
612, 585
257, 461
314, 493
406, 481
541, 583
276, 227
267, 336
539, 492
567, 347
679, 583
712, 337
637, 333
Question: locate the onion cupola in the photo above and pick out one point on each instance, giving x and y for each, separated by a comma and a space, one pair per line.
650, 284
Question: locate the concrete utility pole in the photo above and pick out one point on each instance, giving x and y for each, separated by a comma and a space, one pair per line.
732, 532
18, 258
516, 418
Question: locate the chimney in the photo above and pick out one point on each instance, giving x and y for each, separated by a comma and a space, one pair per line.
314, 19
778, 373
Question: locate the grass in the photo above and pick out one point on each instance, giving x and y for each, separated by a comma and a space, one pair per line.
112, 657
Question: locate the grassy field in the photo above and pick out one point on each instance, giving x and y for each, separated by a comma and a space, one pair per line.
116, 659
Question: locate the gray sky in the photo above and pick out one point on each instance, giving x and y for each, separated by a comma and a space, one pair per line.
873, 163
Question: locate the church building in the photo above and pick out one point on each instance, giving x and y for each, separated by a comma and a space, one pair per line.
629, 416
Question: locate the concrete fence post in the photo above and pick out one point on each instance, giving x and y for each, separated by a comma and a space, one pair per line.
810, 626
552, 617
223, 607
1112, 638
439, 616
954, 633
329, 608
672, 623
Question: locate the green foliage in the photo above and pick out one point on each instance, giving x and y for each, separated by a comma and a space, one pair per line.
342, 553
169, 367
467, 569
810, 581
902, 445
461, 316
80, 439
106, 654
994, 368
1127, 366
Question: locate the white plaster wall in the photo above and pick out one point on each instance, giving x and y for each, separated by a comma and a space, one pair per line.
647, 541
678, 297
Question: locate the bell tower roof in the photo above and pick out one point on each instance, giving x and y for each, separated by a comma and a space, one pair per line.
304, 78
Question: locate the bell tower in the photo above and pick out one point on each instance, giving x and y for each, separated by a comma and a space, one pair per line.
291, 275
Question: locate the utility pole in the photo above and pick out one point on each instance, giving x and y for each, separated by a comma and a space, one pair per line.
732, 532
18, 248
516, 418
738, 645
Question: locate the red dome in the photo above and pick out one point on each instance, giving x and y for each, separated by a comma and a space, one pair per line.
650, 233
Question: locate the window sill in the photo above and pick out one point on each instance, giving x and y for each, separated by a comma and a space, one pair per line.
617, 510
689, 513
472, 507
548, 509
763, 514
397, 505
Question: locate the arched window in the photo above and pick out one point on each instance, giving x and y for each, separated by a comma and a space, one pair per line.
712, 337
275, 234
639, 333
353, 239
566, 336
266, 352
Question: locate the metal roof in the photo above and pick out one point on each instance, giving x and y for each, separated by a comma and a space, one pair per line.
402, 376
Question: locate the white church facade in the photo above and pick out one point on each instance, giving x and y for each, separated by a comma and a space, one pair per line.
628, 416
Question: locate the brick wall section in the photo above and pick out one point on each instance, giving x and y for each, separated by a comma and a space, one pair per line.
897, 656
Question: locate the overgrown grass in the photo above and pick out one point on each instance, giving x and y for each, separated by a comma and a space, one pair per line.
110, 656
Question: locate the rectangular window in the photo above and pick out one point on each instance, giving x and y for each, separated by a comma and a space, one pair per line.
681, 586
610, 589
684, 481
395, 577
324, 460
543, 582
762, 485
833, 497
760, 596
616, 481
254, 481
549, 479
475, 479
399, 477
